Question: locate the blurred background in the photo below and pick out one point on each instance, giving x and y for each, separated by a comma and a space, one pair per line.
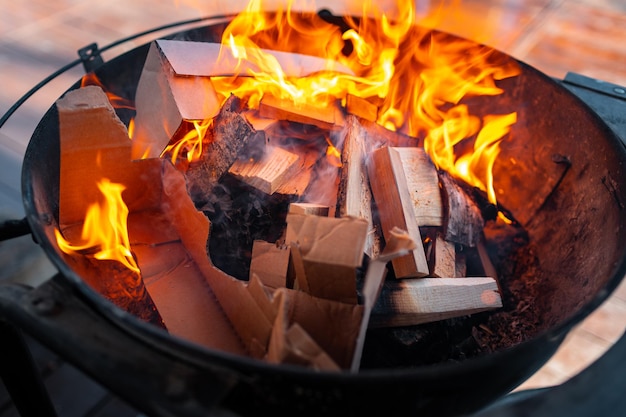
37, 37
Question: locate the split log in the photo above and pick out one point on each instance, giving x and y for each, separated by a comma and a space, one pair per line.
207, 59
309, 209
423, 183
391, 193
269, 172
464, 222
325, 117
354, 196
94, 144
231, 134
445, 259
362, 108
415, 301
270, 263
330, 249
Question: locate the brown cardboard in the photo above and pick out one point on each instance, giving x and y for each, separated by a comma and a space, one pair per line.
269, 262
331, 250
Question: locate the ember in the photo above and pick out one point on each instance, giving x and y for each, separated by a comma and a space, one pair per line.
303, 159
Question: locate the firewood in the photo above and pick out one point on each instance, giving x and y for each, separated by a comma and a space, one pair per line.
269, 172
269, 262
354, 196
464, 222
209, 59
231, 134
309, 209
414, 301
362, 108
445, 260
331, 249
94, 144
423, 183
395, 209
325, 117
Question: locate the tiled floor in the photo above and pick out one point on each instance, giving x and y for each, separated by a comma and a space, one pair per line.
556, 36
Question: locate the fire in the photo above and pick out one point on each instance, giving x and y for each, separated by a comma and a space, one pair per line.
190, 144
105, 232
417, 77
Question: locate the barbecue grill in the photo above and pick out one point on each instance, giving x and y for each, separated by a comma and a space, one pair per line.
162, 375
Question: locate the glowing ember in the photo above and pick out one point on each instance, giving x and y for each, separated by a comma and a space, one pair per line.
105, 232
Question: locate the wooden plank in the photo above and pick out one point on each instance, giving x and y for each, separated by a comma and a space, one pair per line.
423, 183
354, 196
445, 258
362, 108
391, 193
268, 173
325, 117
464, 221
409, 302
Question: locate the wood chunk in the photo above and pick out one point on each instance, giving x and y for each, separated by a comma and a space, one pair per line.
268, 173
211, 60
231, 135
309, 209
94, 144
390, 190
329, 117
445, 258
362, 108
331, 250
269, 262
354, 196
423, 183
414, 301
464, 221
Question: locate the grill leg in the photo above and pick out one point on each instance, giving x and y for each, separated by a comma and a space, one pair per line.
20, 375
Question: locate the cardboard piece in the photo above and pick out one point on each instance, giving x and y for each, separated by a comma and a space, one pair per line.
331, 250
166, 98
269, 263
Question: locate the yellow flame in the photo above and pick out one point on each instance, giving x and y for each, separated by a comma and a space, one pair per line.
416, 76
105, 229
190, 144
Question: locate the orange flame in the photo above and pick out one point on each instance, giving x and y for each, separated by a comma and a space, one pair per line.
190, 144
417, 77
105, 229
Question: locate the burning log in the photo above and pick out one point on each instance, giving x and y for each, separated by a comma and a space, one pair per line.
231, 134
362, 108
326, 117
414, 301
309, 209
354, 197
268, 173
464, 221
391, 192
